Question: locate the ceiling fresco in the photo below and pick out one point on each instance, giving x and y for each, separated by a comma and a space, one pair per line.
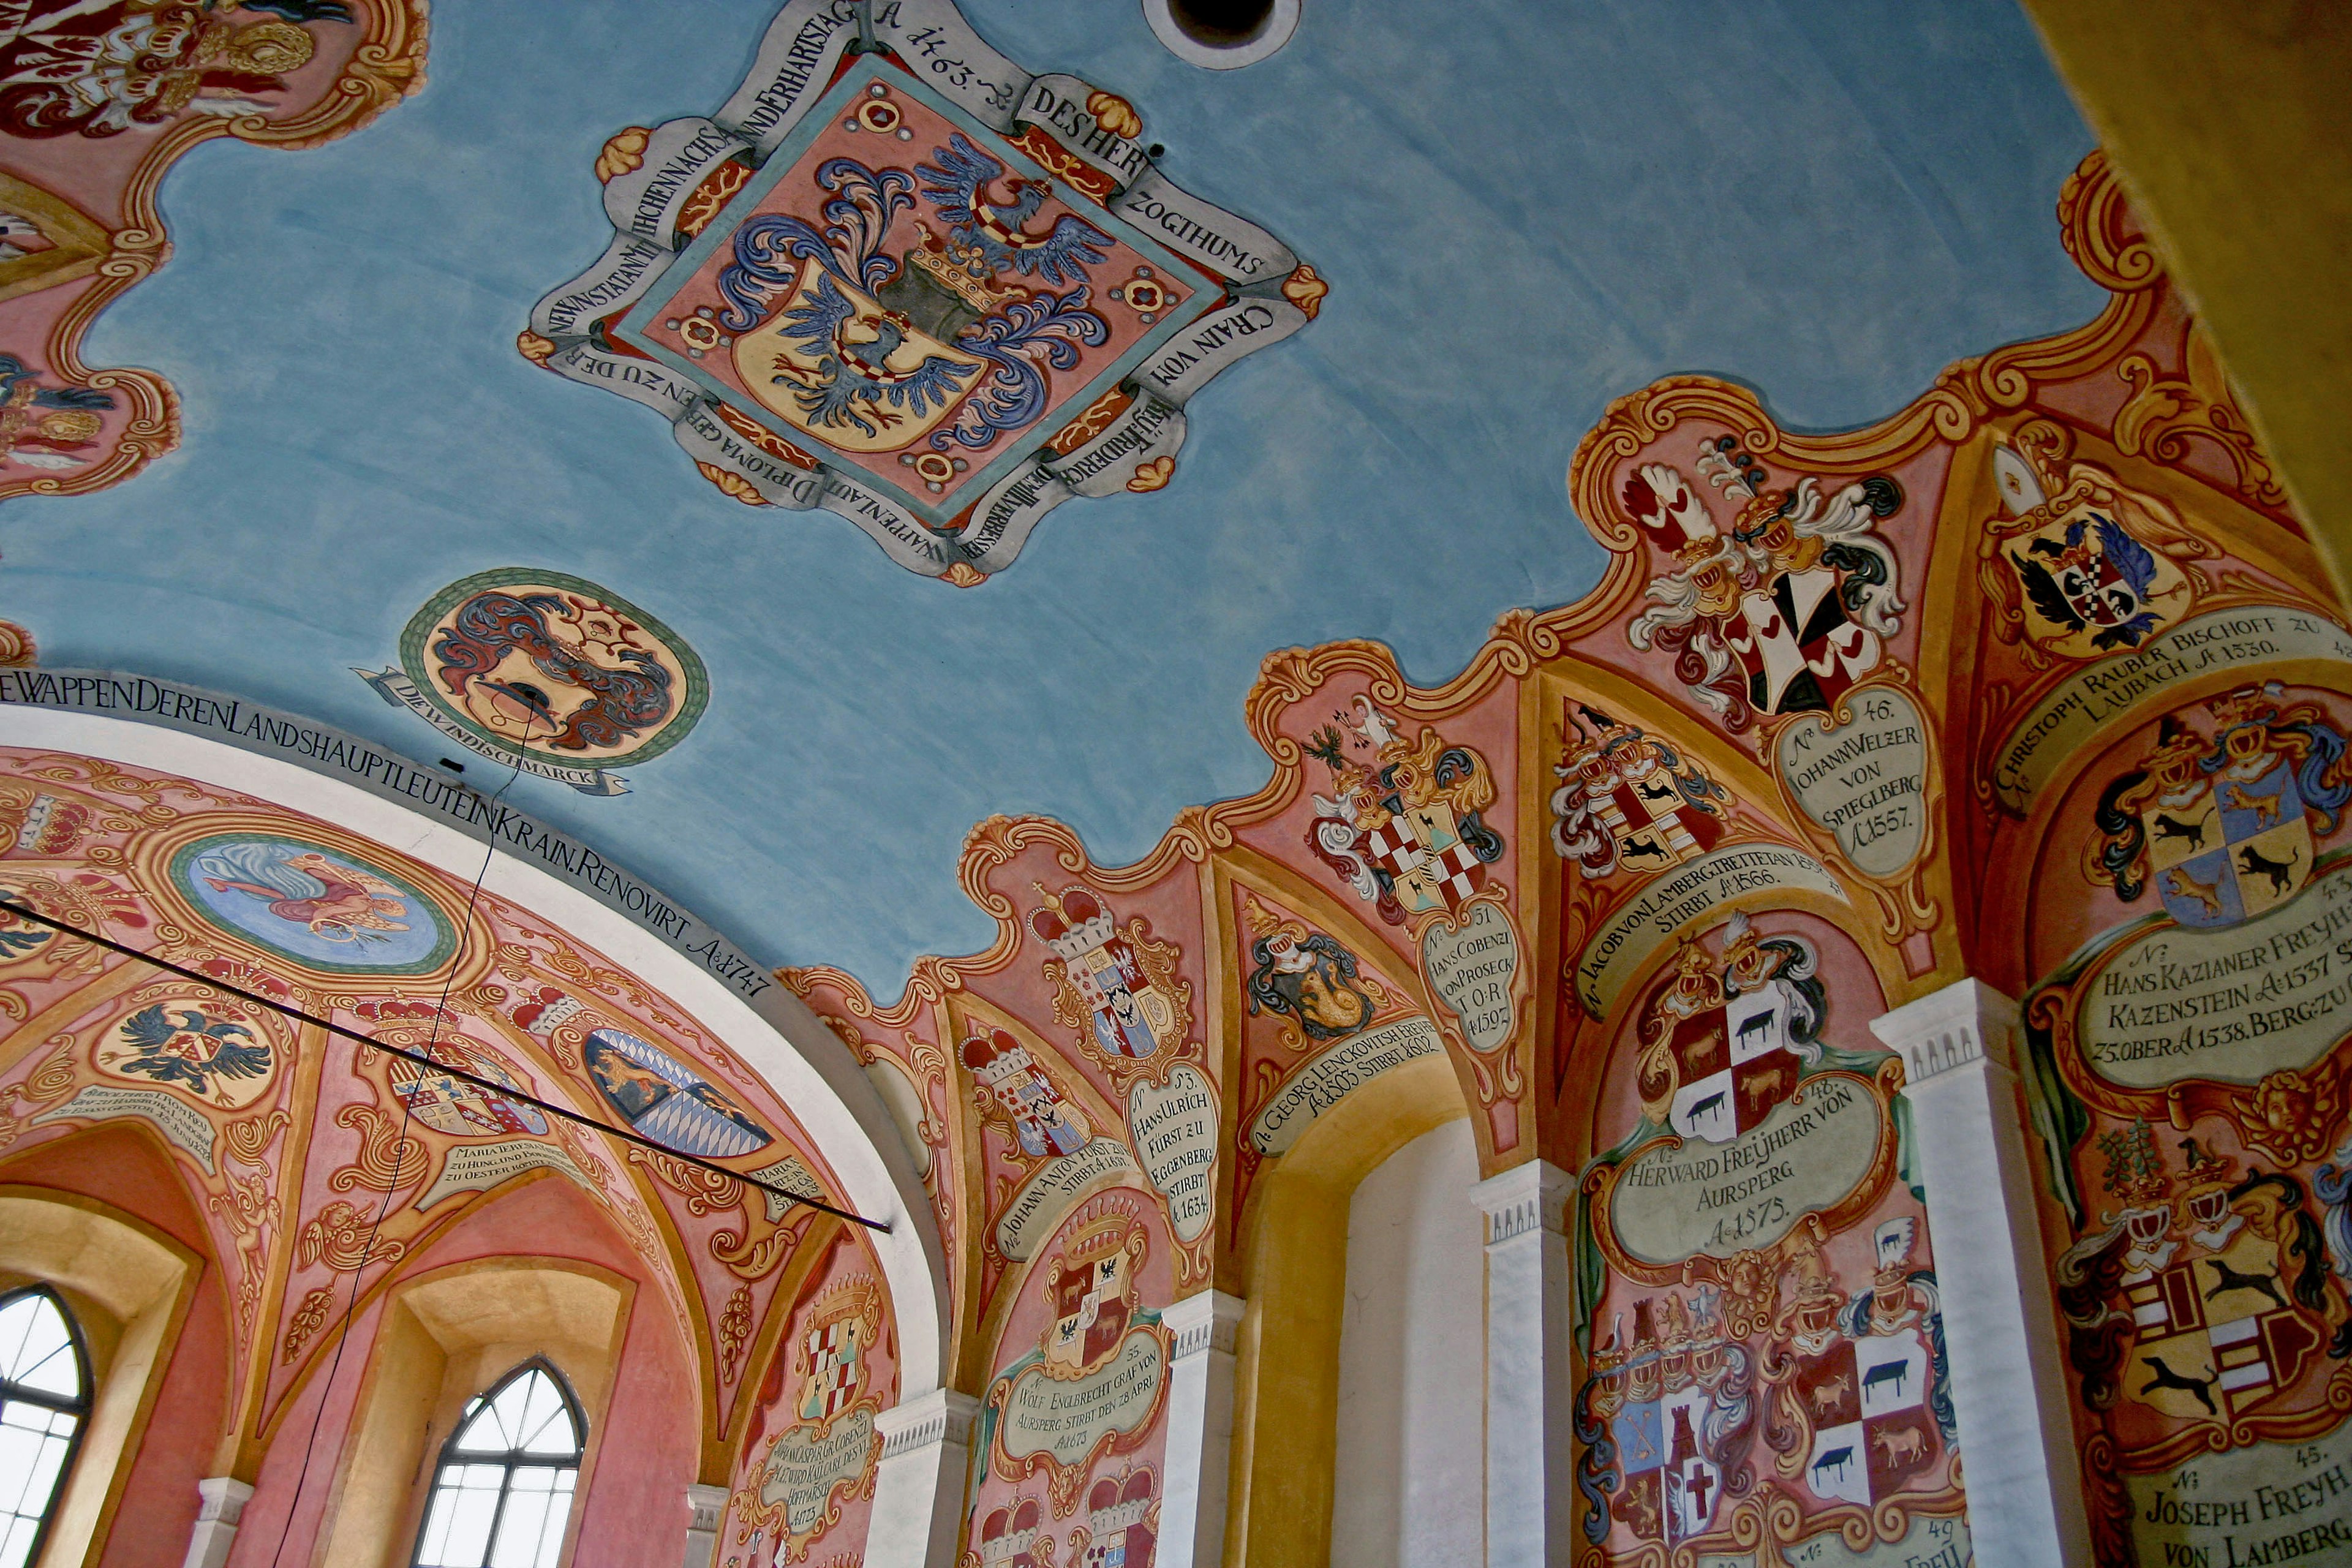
1520, 215
317, 1160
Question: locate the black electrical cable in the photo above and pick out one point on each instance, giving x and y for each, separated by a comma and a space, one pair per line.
505, 1090
400, 1139
391, 1182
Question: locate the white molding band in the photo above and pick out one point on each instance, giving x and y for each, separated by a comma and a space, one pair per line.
1530, 1396
775, 1033
918, 1487
2008, 1391
1199, 1465
224, 1497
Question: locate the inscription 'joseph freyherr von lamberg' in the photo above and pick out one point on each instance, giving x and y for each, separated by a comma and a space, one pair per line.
2268, 1504
2233, 1004
1674, 1202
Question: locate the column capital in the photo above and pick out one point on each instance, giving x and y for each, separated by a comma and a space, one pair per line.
1525, 1198
1205, 1320
943, 1415
224, 1497
705, 1503
1967, 1021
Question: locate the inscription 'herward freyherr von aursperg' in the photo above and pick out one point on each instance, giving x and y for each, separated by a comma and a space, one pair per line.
900, 279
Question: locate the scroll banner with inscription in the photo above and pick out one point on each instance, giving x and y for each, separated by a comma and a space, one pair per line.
2228, 1003
1034, 1417
1670, 903
1041, 1202
479, 1167
1474, 967
2247, 643
1174, 1126
1675, 1201
400, 692
2270, 1503
1331, 1074
931, 397
182, 1123
808, 1462
1864, 779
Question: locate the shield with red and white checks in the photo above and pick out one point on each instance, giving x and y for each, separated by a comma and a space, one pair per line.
833, 1376
1421, 850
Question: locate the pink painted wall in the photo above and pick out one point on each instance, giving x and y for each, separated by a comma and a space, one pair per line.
123, 1169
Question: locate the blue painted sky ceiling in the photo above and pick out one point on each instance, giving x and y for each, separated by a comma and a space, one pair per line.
1522, 213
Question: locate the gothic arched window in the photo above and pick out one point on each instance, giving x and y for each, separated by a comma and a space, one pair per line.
43, 1401
503, 1493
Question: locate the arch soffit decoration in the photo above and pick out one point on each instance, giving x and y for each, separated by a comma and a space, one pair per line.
2130, 394
807, 1068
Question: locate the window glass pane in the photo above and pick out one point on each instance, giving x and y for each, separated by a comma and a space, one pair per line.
40, 1367
547, 1426
37, 1350
465, 1506
16, 1542
518, 1529
481, 1434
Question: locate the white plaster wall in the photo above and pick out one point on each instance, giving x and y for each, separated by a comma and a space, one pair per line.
1409, 1488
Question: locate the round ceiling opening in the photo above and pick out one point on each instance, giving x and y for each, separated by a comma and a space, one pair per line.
1222, 34
1220, 24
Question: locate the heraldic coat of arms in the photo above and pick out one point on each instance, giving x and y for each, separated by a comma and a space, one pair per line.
2081, 565
2226, 825
1727, 1041
1121, 989
1785, 612
1404, 829
1631, 801
2227, 1290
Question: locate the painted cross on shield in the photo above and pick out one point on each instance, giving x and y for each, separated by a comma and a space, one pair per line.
1670, 1483
1735, 1066
2227, 848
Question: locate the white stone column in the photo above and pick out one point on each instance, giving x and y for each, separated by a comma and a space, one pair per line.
1530, 1398
1200, 1430
225, 1499
706, 1508
918, 1490
2000, 1329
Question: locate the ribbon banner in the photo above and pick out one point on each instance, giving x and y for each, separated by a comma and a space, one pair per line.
952, 364
401, 692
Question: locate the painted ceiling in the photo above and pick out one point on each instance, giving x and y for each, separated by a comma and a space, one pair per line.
1520, 215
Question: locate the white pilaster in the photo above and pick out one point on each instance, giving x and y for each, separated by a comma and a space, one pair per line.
1200, 1430
919, 1490
1530, 1472
706, 1508
224, 1497
2009, 1388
